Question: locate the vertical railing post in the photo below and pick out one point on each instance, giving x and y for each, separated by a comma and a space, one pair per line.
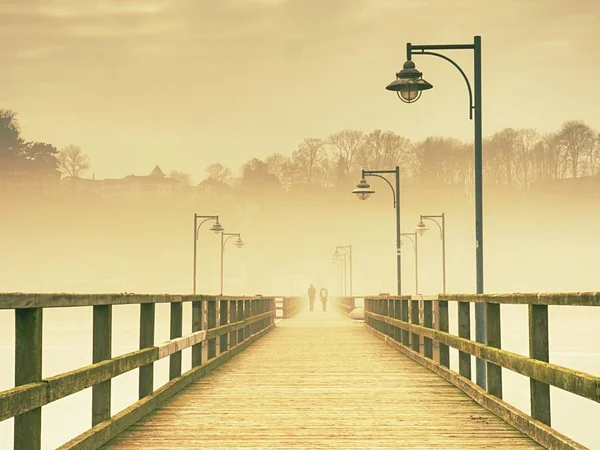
223, 317
197, 326
176, 331
404, 313
414, 319
493, 339
443, 325
28, 369
211, 322
428, 323
102, 350
398, 315
390, 313
539, 349
146, 373
247, 314
464, 331
232, 319
240, 317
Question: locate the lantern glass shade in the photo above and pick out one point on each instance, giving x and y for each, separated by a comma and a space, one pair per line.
217, 228
421, 228
363, 190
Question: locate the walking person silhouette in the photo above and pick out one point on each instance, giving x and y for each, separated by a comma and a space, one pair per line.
323, 294
312, 293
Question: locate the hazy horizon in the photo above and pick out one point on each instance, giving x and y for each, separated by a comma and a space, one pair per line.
184, 84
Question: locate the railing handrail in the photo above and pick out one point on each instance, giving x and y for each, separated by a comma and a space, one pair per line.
20, 300
547, 299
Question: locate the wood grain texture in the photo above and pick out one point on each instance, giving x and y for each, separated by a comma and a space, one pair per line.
320, 380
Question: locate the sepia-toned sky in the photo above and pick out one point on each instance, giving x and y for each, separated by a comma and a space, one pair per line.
184, 83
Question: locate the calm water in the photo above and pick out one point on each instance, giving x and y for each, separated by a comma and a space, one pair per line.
574, 343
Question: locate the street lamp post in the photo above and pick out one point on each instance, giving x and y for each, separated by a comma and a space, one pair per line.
239, 244
421, 228
217, 228
347, 250
412, 237
409, 86
342, 258
341, 287
363, 191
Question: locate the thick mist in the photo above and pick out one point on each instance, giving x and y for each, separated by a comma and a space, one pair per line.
534, 242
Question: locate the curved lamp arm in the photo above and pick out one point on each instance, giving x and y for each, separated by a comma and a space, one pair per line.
205, 220
229, 236
367, 174
436, 222
346, 249
409, 236
462, 72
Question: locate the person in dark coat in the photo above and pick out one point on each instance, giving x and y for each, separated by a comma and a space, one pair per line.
312, 293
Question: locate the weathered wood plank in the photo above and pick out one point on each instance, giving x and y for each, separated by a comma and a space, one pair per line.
19, 300
339, 388
176, 327
197, 326
106, 430
464, 331
574, 381
102, 350
539, 349
444, 325
550, 299
147, 326
539, 432
30, 396
428, 322
493, 339
28, 369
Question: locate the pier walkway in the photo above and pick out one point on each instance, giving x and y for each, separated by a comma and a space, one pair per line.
321, 380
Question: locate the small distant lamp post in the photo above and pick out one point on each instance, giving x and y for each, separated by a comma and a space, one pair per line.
217, 228
421, 228
363, 191
347, 250
337, 256
409, 85
238, 243
412, 237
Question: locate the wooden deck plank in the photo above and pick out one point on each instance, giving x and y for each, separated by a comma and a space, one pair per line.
320, 380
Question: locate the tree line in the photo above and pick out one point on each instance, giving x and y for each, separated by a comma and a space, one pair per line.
517, 158
511, 157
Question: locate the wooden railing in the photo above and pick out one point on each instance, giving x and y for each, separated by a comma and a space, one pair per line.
288, 306
345, 304
388, 317
232, 323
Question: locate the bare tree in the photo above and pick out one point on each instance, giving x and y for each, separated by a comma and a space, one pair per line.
183, 178
72, 161
307, 158
346, 146
277, 166
549, 162
525, 141
384, 150
219, 173
576, 140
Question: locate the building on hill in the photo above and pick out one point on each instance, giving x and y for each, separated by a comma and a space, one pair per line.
136, 188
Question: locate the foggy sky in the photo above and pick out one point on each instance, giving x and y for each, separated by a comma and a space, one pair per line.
184, 83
